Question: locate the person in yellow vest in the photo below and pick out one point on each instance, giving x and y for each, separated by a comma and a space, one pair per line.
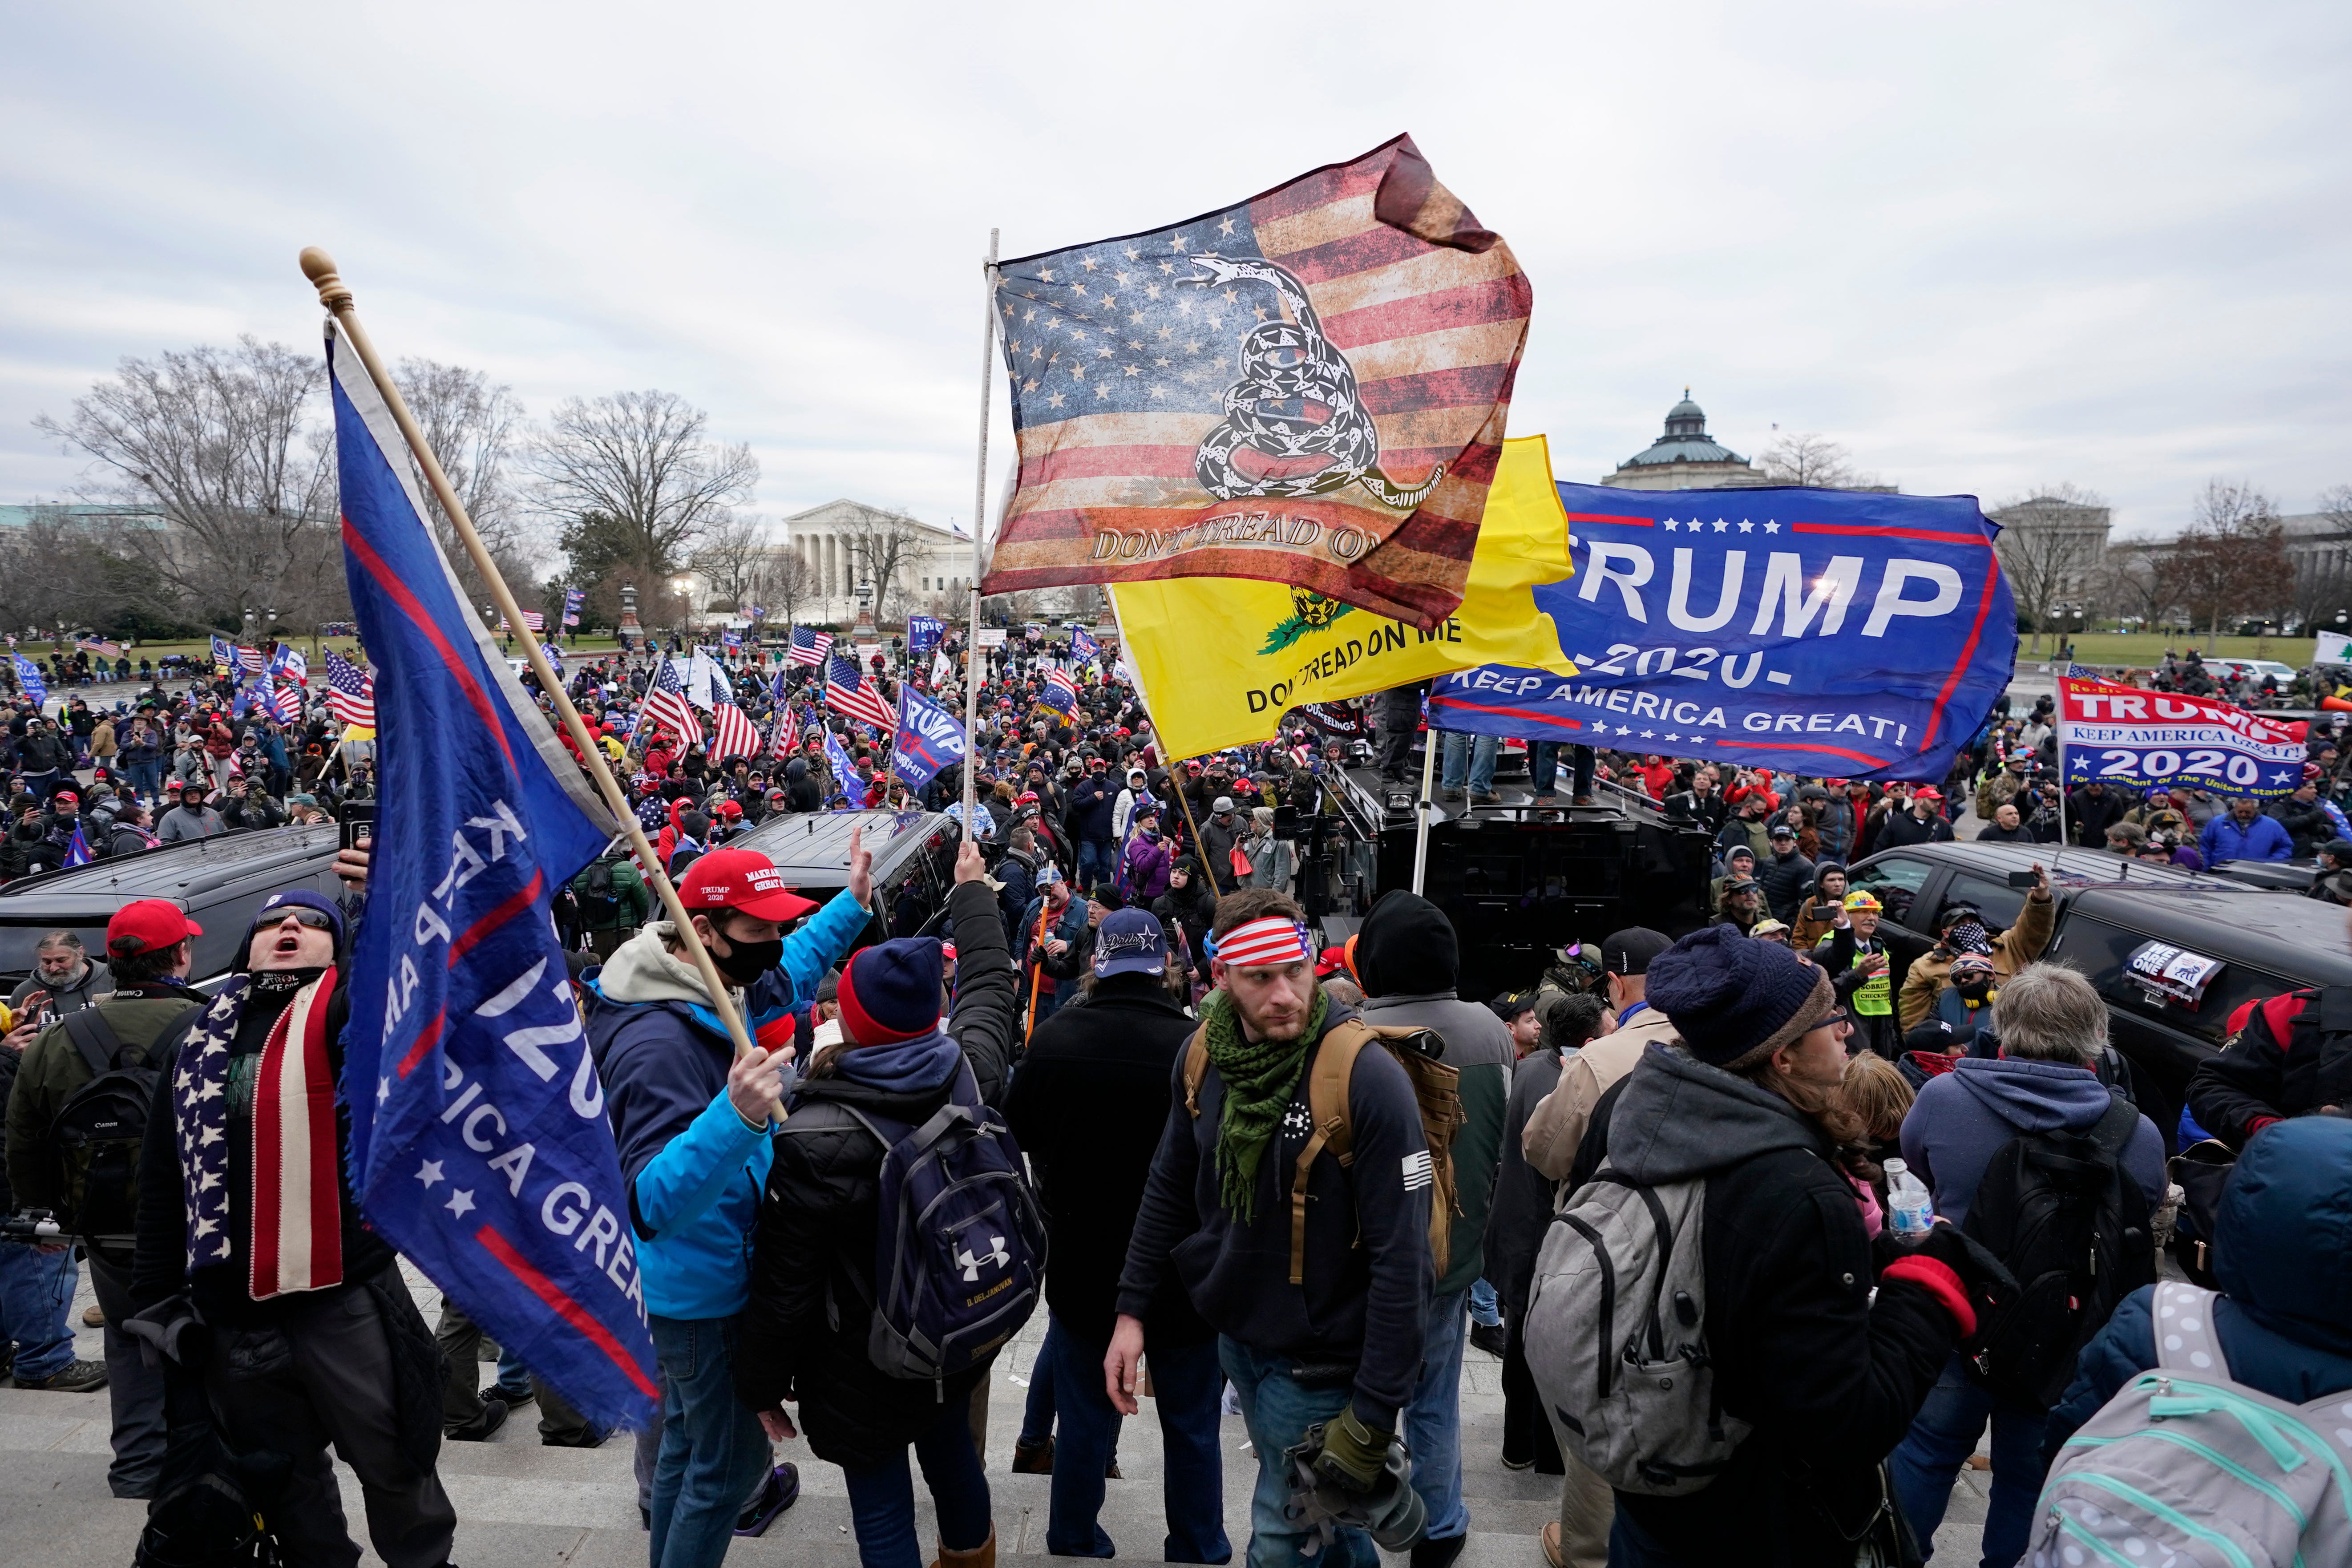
1859, 966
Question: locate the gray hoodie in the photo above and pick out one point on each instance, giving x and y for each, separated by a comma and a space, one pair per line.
1679, 1119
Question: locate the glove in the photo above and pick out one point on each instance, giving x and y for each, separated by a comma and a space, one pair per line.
1354, 1454
1964, 1278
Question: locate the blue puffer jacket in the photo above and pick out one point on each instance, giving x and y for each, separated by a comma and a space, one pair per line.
2283, 1257
695, 1170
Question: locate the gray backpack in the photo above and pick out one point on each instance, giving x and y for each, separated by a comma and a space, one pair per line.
1616, 1337
2186, 1465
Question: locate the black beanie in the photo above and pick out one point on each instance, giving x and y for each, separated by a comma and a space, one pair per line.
1734, 999
1406, 948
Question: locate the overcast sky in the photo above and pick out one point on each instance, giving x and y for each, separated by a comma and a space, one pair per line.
1986, 246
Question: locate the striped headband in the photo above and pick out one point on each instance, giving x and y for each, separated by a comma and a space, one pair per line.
1274, 939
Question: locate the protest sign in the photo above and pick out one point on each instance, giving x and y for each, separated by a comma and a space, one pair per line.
1837, 633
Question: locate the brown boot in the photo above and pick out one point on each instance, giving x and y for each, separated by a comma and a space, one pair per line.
981, 1556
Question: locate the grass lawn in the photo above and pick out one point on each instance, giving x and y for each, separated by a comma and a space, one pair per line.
202, 649
2146, 648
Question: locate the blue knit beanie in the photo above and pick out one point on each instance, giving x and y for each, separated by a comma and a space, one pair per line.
1735, 1000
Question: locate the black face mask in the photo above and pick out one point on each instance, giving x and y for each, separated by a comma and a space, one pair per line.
746, 961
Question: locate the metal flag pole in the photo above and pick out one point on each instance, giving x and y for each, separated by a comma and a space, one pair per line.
319, 268
1422, 809
972, 663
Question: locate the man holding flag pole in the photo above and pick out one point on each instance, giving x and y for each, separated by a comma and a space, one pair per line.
585, 1258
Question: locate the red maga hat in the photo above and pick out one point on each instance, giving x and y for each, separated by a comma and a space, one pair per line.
740, 879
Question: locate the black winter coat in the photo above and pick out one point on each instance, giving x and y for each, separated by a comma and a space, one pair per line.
1087, 1108
805, 1326
1523, 1198
1829, 1380
1786, 880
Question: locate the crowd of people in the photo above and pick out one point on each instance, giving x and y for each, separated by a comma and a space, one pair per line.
1288, 1181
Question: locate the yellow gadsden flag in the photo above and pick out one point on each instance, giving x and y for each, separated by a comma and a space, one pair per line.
1220, 658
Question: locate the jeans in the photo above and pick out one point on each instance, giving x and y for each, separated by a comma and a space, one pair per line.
147, 781
1475, 752
712, 1451
36, 1289
1543, 766
1098, 862
1433, 1421
1485, 1310
1037, 1411
1277, 1409
1186, 1385
882, 1497
1943, 1435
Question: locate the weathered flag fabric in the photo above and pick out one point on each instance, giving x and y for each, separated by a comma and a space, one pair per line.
479, 1144
1309, 387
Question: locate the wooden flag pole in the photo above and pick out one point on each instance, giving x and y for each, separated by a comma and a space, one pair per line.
972, 663
319, 268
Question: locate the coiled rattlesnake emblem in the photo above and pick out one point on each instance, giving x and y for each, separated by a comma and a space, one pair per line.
1288, 372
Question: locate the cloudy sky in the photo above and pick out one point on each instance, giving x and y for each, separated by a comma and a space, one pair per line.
1984, 246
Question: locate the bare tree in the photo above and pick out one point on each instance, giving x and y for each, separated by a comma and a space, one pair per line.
884, 544
732, 557
1802, 457
473, 427
2135, 580
2231, 559
221, 444
635, 480
786, 582
2048, 549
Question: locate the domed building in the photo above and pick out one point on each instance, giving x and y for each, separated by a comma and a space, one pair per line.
1686, 458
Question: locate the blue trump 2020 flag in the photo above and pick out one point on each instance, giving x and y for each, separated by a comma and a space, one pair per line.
479, 1144
923, 633
1834, 633
929, 737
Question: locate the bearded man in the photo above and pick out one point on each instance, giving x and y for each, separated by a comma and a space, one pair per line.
1331, 1336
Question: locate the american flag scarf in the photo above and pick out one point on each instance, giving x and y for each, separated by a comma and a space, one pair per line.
298, 1238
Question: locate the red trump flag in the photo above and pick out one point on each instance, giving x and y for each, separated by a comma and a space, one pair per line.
1309, 387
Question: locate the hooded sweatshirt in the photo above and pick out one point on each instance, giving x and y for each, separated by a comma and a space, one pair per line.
1828, 1375
2283, 1257
1407, 958
1962, 1118
695, 1170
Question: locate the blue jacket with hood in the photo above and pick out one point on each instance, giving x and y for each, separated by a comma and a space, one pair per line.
2283, 1256
1963, 1117
695, 1170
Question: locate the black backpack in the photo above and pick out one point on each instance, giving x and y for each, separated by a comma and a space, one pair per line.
600, 903
2071, 1225
105, 1121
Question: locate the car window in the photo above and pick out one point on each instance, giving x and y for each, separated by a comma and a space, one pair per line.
2000, 902
1894, 881
2101, 951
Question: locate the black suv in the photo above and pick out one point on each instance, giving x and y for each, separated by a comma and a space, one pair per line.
914, 862
220, 881
2230, 943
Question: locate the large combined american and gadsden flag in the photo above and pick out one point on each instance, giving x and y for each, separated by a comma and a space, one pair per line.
479, 1144
1309, 387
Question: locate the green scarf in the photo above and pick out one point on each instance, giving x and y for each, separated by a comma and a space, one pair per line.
1258, 1079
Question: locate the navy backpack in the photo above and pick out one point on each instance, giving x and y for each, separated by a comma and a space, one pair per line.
960, 1240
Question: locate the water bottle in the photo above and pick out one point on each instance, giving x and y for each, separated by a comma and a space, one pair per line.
1910, 1212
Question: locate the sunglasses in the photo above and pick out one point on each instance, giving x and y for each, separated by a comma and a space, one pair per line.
317, 920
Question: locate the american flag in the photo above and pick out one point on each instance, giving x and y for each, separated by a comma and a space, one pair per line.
784, 734
531, 620
846, 693
351, 691
809, 646
665, 705
1062, 679
1307, 387
250, 661
732, 733
285, 704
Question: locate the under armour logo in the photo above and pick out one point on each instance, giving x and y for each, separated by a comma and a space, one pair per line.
996, 1254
